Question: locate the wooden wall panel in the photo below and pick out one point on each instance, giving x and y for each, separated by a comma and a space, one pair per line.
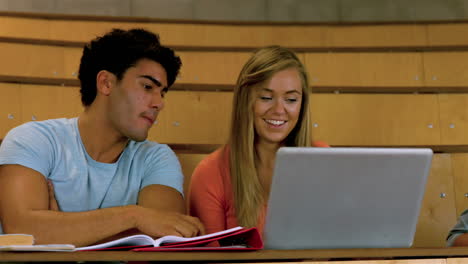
19, 27
245, 35
31, 60
453, 119
371, 70
460, 175
447, 34
189, 162
375, 119
376, 36
223, 36
194, 118
46, 102
39, 102
199, 35
197, 67
72, 57
438, 214
241, 36
84, 31
299, 36
69, 102
367, 119
365, 69
211, 67
442, 69
10, 107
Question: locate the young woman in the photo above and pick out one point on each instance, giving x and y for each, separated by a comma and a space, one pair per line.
231, 186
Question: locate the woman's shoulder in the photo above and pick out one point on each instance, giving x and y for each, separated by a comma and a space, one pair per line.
215, 163
212, 174
216, 158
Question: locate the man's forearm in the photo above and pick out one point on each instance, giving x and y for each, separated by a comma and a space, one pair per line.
77, 228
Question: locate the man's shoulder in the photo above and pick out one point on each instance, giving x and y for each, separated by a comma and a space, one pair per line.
59, 123
147, 146
49, 127
148, 150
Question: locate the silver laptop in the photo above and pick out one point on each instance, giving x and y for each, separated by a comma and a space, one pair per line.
345, 197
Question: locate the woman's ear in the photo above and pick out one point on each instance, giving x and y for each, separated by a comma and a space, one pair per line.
104, 82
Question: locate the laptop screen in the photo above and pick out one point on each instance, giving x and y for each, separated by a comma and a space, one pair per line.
345, 197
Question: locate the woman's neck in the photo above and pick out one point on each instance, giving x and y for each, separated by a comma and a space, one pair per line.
266, 154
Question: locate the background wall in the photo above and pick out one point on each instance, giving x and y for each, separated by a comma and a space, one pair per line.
254, 10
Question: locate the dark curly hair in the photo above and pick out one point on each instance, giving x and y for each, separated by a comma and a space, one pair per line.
119, 50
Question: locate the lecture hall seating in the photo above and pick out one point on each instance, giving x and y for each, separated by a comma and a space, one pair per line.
386, 85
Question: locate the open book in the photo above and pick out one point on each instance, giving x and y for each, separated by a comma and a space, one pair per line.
237, 238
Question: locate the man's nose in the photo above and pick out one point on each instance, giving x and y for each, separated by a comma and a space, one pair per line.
157, 101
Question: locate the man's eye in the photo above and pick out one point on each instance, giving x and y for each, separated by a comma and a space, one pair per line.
147, 86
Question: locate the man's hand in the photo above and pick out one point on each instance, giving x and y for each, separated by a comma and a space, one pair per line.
161, 212
158, 223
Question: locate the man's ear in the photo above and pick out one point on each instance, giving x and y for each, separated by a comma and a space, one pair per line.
105, 80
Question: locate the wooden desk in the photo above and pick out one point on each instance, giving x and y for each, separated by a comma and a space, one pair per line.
258, 256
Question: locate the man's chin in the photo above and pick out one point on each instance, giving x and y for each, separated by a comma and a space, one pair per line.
138, 138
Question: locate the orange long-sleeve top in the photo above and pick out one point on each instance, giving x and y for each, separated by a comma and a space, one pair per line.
210, 194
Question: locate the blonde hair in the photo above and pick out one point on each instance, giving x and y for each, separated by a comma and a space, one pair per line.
249, 194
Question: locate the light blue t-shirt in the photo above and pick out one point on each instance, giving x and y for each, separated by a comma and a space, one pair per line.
54, 148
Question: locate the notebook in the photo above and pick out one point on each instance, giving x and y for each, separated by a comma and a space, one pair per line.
345, 197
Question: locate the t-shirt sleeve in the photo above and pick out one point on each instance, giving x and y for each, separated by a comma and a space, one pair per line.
163, 167
30, 146
460, 228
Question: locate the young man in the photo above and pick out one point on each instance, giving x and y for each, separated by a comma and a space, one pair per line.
101, 172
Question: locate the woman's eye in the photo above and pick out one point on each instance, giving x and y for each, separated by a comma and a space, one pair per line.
291, 100
265, 98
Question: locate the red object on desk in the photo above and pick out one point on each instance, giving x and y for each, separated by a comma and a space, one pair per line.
246, 239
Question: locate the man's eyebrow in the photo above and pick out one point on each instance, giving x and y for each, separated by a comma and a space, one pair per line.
158, 83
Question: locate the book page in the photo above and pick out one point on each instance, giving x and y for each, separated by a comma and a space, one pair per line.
135, 240
175, 239
144, 240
